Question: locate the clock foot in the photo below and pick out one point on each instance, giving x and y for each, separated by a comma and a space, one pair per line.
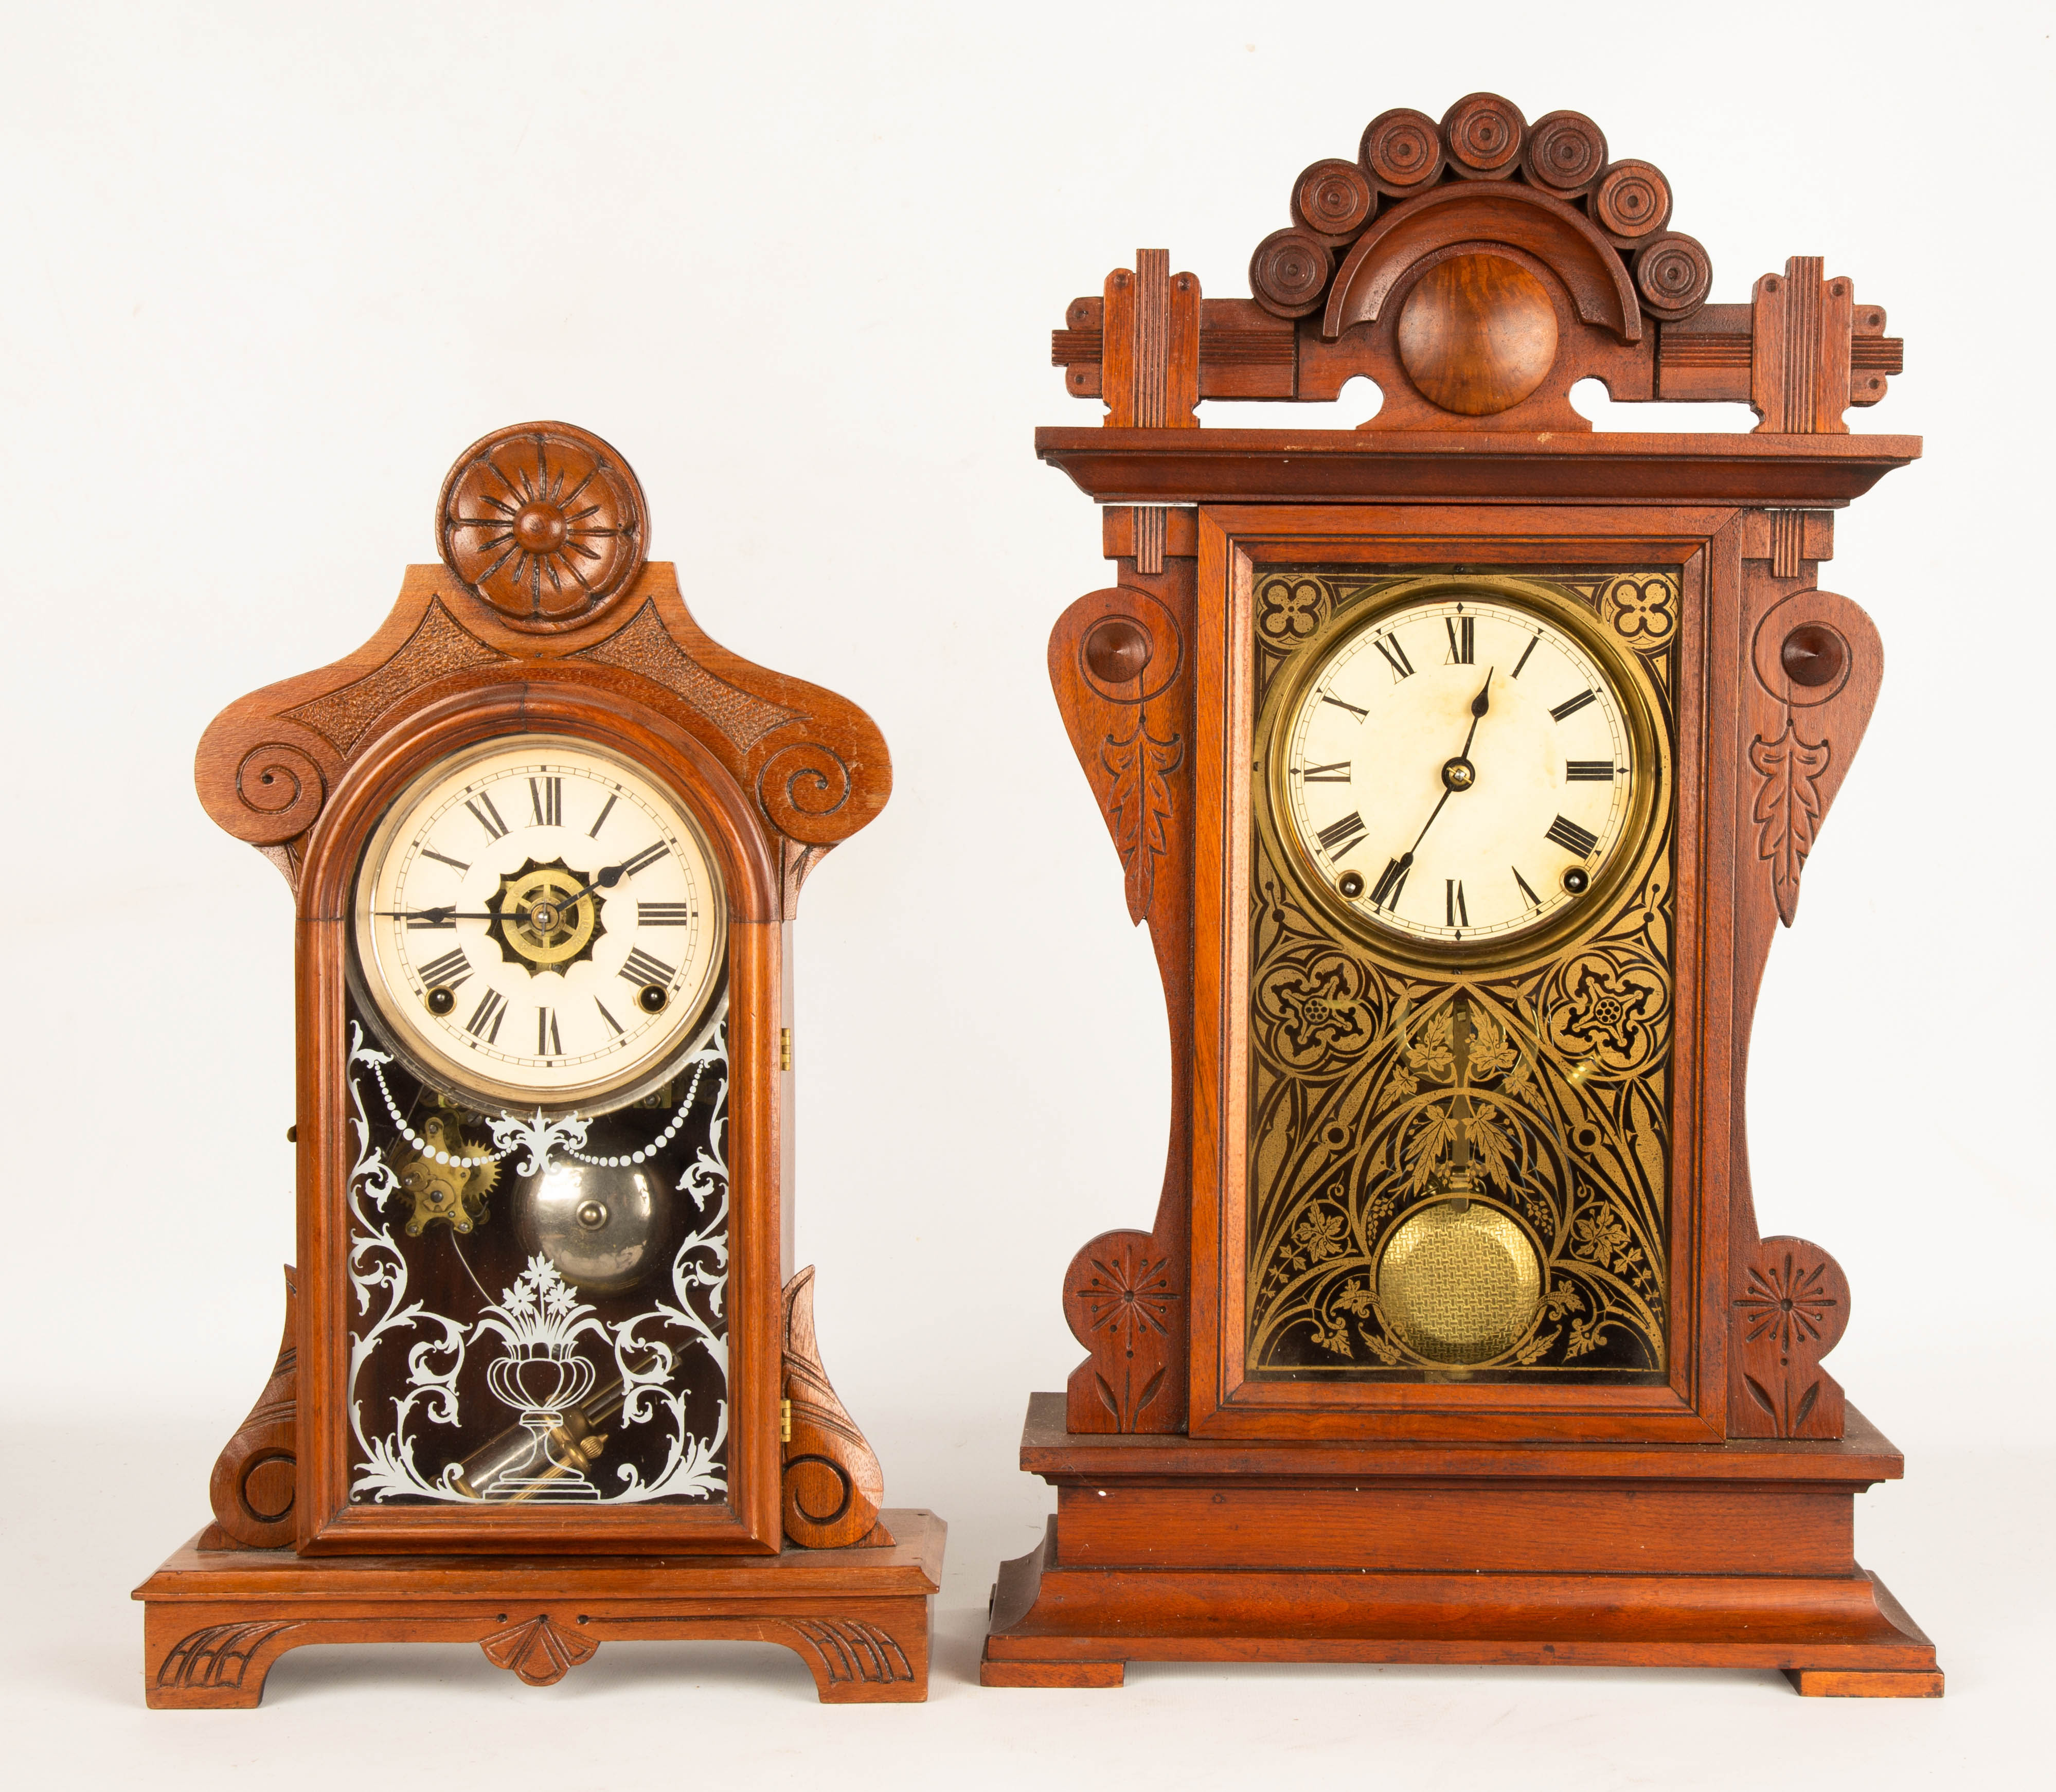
858, 1617
1823, 1683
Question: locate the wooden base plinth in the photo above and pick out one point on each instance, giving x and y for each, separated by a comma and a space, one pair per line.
1173, 1549
214, 1622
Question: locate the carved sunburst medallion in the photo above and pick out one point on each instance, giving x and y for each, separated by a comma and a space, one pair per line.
545, 522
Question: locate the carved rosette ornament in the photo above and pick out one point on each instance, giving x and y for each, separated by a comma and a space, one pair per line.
545, 522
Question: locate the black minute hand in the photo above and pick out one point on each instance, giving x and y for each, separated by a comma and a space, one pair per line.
1479, 705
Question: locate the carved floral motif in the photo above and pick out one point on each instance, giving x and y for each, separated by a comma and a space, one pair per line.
1119, 1297
545, 522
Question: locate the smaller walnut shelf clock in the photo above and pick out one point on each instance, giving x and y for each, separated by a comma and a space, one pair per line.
1463, 765
549, 1378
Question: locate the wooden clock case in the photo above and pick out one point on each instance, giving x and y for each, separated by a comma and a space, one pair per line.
1474, 269
777, 772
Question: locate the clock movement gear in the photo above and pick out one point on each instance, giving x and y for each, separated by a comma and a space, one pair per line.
545, 917
448, 1176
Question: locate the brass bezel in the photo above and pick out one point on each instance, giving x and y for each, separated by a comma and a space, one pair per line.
1642, 833
602, 1094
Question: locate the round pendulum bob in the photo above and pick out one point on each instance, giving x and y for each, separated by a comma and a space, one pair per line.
1459, 1282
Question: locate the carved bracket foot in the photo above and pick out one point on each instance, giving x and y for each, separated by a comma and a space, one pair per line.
215, 1622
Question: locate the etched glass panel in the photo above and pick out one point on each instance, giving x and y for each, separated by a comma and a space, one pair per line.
537, 1307
1460, 976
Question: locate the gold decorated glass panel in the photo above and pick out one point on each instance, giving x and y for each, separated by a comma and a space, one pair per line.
1460, 976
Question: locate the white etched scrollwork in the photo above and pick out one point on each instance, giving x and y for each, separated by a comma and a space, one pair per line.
539, 1321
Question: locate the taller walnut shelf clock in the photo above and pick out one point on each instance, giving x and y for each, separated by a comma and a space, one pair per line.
549, 1378
1463, 765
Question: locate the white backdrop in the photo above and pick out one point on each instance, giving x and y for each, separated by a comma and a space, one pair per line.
267, 270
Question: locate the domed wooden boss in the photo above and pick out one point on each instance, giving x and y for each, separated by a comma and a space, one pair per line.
1477, 334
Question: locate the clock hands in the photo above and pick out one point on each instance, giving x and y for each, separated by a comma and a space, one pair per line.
602, 880
1458, 774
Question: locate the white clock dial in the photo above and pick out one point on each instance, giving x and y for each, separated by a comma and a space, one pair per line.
1459, 770
539, 922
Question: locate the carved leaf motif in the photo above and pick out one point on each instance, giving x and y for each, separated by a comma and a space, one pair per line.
1787, 809
1139, 804
538, 1651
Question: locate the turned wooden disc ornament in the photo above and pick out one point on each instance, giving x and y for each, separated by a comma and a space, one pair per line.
1477, 334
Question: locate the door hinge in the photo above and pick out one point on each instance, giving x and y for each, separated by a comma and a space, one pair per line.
785, 1421
785, 1048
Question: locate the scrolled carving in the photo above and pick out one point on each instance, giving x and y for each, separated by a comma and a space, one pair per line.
281, 787
1289, 272
253, 1486
545, 522
1333, 200
537, 1652
1566, 153
1632, 200
801, 788
1673, 274
1401, 151
1788, 1309
1483, 135
832, 1485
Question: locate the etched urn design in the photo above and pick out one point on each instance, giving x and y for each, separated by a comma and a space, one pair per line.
542, 1376
538, 1381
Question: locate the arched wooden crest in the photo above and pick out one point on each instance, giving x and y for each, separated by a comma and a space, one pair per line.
1475, 269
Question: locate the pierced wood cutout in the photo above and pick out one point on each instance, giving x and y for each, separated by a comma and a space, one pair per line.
814, 762
1475, 269
1119, 663
251, 1489
833, 1485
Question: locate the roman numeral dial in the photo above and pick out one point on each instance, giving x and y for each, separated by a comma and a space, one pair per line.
539, 922
1460, 765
